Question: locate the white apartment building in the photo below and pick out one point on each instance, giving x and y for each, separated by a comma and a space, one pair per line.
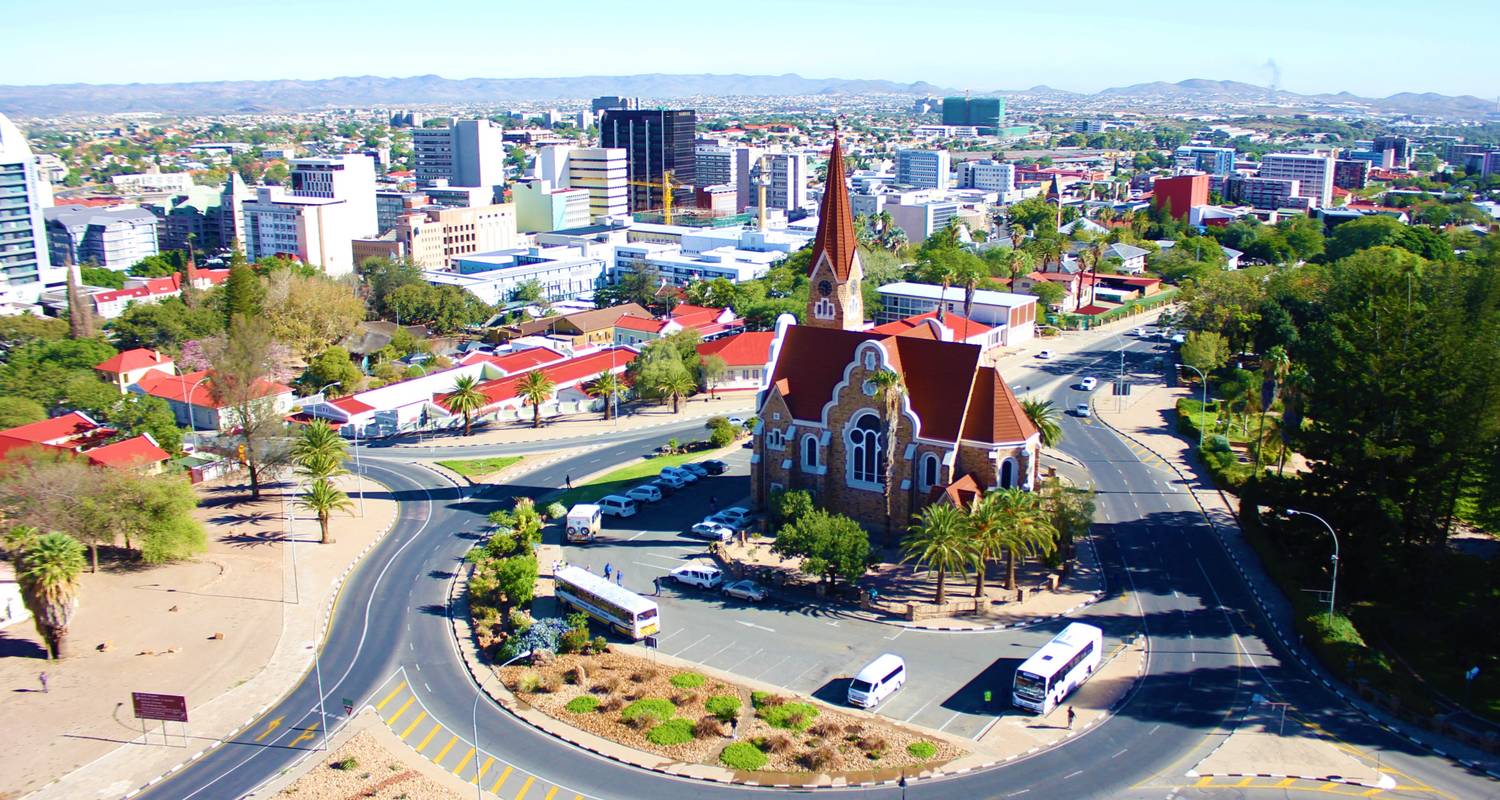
314, 230
1313, 171
1013, 314
787, 190
350, 178
603, 172
563, 272
435, 237
466, 153
674, 265
919, 214
922, 169
987, 175
115, 238
153, 183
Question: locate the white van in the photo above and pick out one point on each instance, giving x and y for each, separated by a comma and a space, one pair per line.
583, 522
877, 681
617, 505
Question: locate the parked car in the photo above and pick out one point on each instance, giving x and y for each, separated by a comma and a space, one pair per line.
714, 466
704, 576
1141, 332
661, 486
712, 531
680, 473
1045, 354
671, 479
1083, 410
696, 469
737, 421
616, 505
1088, 384
734, 516
645, 493
747, 590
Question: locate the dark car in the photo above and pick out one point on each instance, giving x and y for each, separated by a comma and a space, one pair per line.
714, 466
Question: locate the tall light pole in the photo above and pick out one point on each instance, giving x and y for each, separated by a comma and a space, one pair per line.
187, 398
1203, 410
1333, 591
478, 693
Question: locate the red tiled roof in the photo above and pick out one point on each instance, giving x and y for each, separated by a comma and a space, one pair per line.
153, 287
961, 492
520, 360
177, 388
351, 405
994, 414
1095, 308
748, 349
962, 327
935, 374
631, 322
565, 372
811, 363
66, 429
835, 219
127, 453
131, 360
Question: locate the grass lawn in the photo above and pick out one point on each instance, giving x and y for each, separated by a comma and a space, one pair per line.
625, 477
479, 467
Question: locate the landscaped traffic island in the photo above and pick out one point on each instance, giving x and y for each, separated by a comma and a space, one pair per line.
694, 718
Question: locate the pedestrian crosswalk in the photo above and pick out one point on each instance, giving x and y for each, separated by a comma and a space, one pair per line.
403, 712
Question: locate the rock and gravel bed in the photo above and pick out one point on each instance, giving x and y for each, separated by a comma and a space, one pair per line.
364, 768
606, 691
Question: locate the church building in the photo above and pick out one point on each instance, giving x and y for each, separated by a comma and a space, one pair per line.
823, 427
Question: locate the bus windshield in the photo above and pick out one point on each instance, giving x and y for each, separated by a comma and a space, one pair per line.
649, 613
860, 686
1032, 687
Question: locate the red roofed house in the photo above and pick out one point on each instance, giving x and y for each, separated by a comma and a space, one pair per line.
633, 330
568, 378
822, 422
76, 432
746, 357
951, 328
193, 403
112, 303
128, 367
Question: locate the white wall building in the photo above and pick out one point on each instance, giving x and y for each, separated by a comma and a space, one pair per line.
153, 183
314, 230
988, 175
466, 153
1313, 171
602, 172
563, 272
115, 238
1015, 314
350, 178
923, 169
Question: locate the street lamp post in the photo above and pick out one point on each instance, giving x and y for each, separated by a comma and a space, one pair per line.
1333, 591
1203, 410
474, 717
187, 398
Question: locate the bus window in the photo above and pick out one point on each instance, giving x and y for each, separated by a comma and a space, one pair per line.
1031, 686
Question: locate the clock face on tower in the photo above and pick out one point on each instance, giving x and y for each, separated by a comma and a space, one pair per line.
825, 288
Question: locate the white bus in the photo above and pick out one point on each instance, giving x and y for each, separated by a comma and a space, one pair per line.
1058, 668
615, 606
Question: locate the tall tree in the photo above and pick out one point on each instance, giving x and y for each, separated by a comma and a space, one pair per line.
534, 389
890, 390
50, 566
243, 292
606, 386
246, 365
323, 498
1044, 416
677, 384
710, 369
319, 451
941, 542
1028, 530
466, 398
80, 315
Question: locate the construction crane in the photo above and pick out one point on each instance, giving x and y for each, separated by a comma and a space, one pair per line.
666, 185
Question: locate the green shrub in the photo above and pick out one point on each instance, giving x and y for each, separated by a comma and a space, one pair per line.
922, 750
529, 682
791, 716
743, 756
556, 511
346, 764
573, 640
687, 680
758, 699
657, 708
723, 706
583, 704
600, 645
673, 731
1218, 443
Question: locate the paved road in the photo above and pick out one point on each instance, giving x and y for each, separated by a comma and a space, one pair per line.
390, 646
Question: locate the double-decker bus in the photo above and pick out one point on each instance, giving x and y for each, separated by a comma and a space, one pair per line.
1059, 667
615, 606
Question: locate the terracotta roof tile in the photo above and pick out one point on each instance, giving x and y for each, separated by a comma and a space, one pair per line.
132, 360
128, 452
812, 362
994, 414
748, 349
937, 376
835, 219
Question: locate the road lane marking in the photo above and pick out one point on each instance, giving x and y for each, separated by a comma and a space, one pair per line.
920, 710
526, 787
1073, 774
438, 759
689, 647
305, 735
757, 627
495, 789
426, 740
413, 725
392, 696
550, 792
479, 776
402, 710
464, 762
270, 726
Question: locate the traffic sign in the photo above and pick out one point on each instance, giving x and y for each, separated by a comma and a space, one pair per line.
165, 707
348, 707
651, 642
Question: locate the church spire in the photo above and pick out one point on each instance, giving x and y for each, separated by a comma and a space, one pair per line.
835, 220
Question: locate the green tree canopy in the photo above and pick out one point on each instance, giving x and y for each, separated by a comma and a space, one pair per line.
831, 546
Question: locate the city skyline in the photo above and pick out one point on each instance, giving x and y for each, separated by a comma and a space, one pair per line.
1090, 46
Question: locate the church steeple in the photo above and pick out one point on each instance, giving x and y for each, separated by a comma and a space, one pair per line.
835, 300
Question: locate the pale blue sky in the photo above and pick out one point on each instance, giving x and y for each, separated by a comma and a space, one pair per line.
1370, 47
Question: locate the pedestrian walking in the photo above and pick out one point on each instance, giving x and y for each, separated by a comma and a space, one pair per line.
619, 577
43, 678
656, 586
608, 570
569, 481
1071, 715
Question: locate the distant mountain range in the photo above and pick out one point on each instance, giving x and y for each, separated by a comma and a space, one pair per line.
299, 95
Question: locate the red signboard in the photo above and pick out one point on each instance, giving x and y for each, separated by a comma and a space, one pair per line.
167, 707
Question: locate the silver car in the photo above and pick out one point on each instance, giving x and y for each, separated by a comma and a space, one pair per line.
645, 493
747, 590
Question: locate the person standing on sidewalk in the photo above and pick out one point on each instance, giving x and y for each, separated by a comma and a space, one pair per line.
43, 678
1071, 715
608, 570
619, 577
569, 481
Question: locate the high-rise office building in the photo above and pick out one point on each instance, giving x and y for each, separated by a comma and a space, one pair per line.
314, 230
987, 175
23, 232
115, 238
787, 185
608, 102
985, 113
923, 169
715, 164
656, 142
1181, 194
1199, 158
468, 152
1400, 148
600, 171
1313, 171
1351, 173
350, 178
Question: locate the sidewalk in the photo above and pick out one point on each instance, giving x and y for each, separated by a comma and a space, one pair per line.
633, 417
1146, 422
306, 600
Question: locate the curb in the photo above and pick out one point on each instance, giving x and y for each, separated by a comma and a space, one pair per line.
1319, 778
674, 421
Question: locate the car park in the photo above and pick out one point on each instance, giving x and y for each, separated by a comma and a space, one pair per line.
662, 486
703, 576
1045, 354
734, 516
712, 531
747, 590
645, 493
696, 469
714, 466
583, 523
1088, 384
679, 473
617, 505
1083, 410
670, 477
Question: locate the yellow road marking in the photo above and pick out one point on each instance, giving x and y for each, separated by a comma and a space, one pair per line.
426, 740
479, 776
449, 746
526, 787
270, 726
501, 779
550, 792
305, 735
463, 762
392, 696
413, 725
401, 710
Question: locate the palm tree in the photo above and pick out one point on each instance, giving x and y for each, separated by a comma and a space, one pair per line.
465, 398
50, 567
889, 389
1274, 367
319, 451
941, 541
677, 384
969, 272
1028, 531
323, 498
987, 527
938, 267
1044, 416
535, 389
608, 386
